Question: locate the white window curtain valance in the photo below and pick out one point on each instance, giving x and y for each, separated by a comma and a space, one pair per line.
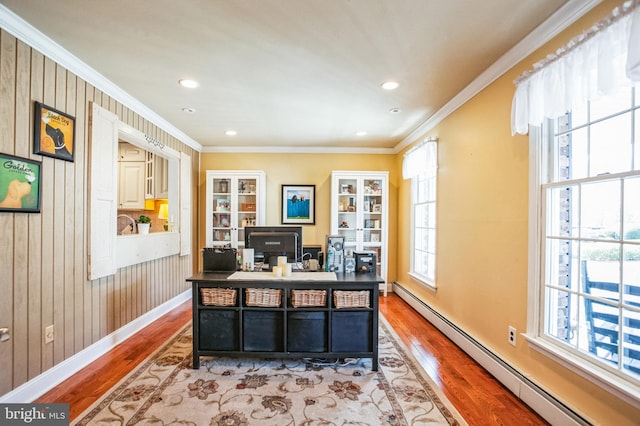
597, 62
633, 58
420, 159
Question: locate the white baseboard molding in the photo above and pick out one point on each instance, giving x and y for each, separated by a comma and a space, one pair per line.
29, 391
548, 407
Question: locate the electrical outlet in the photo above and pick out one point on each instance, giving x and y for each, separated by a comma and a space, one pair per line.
49, 334
512, 335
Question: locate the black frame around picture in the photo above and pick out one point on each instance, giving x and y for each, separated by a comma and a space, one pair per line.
20, 184
53, 133
293, 194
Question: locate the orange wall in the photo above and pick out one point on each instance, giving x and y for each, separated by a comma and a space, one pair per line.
482, 236
304, 169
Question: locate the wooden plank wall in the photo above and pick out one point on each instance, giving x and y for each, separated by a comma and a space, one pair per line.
43, 256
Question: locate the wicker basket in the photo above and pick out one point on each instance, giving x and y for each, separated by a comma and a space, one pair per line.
302, 298
351, 299
218, 296
263, 297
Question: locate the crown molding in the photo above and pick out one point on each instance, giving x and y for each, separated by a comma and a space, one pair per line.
24, 31
297, 150
559, 21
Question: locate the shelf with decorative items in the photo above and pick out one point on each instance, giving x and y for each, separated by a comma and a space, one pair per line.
359, 211
235, 199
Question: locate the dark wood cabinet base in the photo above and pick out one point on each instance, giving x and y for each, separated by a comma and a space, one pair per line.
282, 330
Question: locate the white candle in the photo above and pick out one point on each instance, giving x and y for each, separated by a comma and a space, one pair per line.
247, 258
282, 260
288, 269
277, 271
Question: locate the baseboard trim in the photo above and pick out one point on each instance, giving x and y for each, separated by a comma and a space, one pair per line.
543, 403
31, 390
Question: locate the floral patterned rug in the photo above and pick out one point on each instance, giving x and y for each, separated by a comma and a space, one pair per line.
165, 390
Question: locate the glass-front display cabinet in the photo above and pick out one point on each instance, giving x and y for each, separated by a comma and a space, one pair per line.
235, 199
359, 212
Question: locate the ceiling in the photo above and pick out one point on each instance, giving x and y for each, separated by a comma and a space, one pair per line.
289, 74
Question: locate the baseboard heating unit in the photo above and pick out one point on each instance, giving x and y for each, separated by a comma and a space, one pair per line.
543, 403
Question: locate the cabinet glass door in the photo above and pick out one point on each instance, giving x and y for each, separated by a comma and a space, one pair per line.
359, 212
222, 211
235, 200
247, 201
348, 211
372, 213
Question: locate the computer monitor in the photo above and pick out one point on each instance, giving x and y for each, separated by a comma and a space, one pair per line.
273, 241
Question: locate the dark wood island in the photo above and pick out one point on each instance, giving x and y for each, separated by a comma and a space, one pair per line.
306, 315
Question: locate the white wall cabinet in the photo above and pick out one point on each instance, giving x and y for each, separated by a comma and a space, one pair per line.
160, 177
131, 176
129, 152
359, 212
235, 199
156, 176
131, 193
148, 169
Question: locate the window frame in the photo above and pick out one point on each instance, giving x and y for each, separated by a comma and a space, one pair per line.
107, 253
540, 163
133, 249
424, 177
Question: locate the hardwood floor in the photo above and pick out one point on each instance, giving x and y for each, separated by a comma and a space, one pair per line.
85, 387
479, 398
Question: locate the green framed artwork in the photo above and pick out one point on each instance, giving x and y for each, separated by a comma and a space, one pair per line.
19, 184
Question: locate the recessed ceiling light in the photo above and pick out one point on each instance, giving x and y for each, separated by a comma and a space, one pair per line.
361, 133
189, 84
390, 85
230, 133
394, 110
189, 110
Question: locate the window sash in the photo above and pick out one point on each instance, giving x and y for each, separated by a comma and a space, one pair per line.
558, 324
423, 244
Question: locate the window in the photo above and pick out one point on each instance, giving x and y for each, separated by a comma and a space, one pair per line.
106, 253
588, 289
420, 164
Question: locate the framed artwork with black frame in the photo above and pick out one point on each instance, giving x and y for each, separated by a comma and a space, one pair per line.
53, 133
19, 184
299, 204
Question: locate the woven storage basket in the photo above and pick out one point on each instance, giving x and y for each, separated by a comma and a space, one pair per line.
263, 297
302, 298
351, 299
218, 296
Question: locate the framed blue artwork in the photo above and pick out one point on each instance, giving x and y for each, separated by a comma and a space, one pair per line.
299, 204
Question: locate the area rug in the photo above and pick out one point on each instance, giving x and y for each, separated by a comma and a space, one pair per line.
165, 390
